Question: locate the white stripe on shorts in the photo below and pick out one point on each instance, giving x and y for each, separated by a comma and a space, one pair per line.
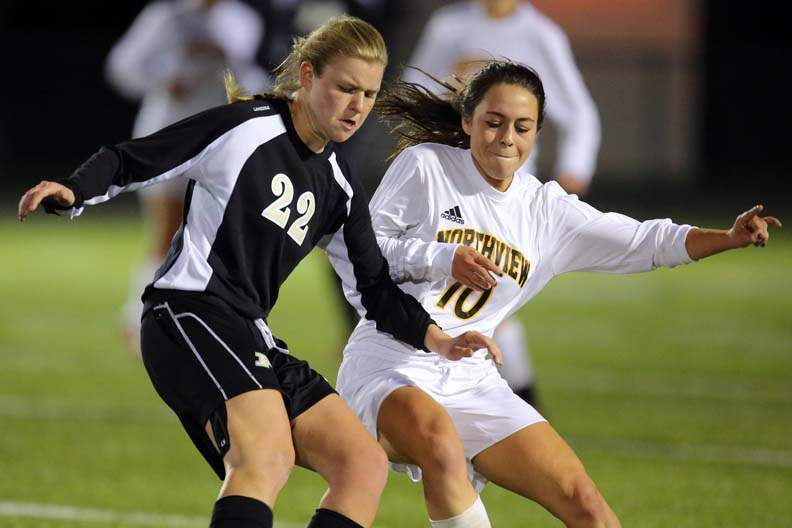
217, 337
192, 347
266, 333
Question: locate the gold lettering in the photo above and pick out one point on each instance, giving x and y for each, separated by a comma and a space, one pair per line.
469, 237
514, 264
524, 269
489, 245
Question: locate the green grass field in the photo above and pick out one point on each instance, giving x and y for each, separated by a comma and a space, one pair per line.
674, 387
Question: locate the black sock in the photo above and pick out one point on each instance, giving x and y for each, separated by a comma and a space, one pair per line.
236, 511
324, 518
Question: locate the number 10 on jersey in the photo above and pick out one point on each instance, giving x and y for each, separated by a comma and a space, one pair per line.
462, 294
278, 211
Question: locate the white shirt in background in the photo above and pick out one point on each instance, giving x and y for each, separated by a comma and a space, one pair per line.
164, 44
463, 32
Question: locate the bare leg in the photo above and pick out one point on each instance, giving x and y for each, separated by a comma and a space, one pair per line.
261, 455
416, 429
330, 440
537, 463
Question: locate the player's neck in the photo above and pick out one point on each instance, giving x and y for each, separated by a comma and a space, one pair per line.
501, 185
499, 10
305, 126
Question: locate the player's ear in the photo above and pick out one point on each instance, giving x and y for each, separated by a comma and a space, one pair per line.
466, 125
307, 75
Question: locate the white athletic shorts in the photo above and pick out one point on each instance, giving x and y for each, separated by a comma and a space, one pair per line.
482, 406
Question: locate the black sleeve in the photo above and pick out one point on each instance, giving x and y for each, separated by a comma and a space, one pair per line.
393, 311
166, 154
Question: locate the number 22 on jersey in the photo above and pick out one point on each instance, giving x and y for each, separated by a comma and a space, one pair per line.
278, 211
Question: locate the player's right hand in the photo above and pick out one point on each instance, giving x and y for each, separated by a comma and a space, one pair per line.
46, 189
473, 269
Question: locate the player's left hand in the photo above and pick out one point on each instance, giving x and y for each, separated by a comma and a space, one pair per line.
750, 228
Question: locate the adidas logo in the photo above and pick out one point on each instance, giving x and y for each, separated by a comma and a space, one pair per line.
453, 214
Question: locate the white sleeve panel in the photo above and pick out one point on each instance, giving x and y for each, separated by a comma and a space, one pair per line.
141, 58
338, 255
589, 240
399, 207
570, 108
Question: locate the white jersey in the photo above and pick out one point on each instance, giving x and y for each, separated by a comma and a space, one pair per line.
463, 32
432, 198
174, 40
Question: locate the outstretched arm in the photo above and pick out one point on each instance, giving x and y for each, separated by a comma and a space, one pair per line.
749, 228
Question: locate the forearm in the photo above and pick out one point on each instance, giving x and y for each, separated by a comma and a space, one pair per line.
433, 341
416, 260
701, 243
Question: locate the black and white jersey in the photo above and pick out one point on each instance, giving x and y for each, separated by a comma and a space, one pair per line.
258, 201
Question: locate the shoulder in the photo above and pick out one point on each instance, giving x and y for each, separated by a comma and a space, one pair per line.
236, 8
541, 23
433, 154
426, 165
556, 204
235, 119
242, 111
231, 12
157, 10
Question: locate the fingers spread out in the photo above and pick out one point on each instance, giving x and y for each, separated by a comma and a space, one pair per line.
473, 340
751, 213
773, 221
757, 226
473, 269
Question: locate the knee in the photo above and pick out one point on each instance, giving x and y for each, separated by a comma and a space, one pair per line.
588, 505
363, 465
264, 468
442, 454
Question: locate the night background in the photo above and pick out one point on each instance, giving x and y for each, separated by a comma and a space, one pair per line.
673, 387
728, 135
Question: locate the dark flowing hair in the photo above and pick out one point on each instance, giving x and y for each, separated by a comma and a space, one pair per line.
420, 116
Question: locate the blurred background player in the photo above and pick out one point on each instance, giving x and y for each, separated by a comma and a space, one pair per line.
457, 41
172, 58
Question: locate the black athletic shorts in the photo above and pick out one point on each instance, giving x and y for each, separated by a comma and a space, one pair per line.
199, 353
